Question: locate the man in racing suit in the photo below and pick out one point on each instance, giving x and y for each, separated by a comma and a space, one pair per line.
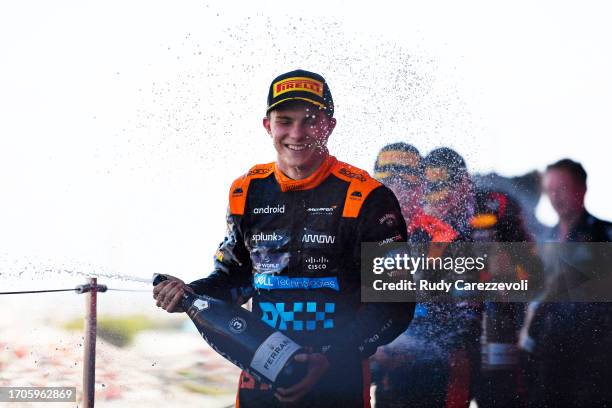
293, 244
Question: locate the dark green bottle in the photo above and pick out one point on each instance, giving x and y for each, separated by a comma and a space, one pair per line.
243, 339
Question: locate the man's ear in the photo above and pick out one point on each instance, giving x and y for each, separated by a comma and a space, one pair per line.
331, 124
266, 125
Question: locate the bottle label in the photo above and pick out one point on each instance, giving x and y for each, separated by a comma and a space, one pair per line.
237, 325
272, 355
201, 304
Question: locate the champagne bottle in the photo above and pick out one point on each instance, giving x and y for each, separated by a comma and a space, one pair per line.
243, 339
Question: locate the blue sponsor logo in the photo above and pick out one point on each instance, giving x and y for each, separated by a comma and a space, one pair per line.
265, 281
275, 315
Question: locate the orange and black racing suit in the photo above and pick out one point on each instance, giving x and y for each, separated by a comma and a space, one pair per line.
294, 247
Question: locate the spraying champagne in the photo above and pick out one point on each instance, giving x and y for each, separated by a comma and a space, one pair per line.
243, 339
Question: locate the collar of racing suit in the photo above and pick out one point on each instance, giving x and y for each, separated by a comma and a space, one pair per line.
316, 178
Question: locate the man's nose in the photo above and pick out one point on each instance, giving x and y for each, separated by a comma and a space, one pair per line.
299, 131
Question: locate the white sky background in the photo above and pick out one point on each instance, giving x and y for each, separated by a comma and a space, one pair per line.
122, 123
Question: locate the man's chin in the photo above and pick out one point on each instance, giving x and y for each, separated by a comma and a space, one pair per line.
301, 159
294, 162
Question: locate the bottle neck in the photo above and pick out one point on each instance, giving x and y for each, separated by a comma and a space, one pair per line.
187, 300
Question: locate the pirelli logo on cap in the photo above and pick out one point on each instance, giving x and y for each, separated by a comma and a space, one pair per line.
298, 84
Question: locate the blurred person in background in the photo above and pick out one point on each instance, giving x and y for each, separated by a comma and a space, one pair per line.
399, 167
435, 362
499, 218
525, 189
565, 184
449, 194
569, 343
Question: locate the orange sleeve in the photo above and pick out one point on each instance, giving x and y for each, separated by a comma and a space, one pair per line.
361, 185
240, 186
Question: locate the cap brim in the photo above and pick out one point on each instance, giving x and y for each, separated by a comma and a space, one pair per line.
403, 177
316, 103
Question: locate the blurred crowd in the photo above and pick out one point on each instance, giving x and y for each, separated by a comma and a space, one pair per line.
537, 354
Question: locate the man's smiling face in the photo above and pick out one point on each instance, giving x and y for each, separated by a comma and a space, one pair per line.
299, 132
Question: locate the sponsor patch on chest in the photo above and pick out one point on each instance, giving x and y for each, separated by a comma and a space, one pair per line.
321, 210
270, 209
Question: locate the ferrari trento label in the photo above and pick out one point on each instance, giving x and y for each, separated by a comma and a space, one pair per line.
272, 355
298, 84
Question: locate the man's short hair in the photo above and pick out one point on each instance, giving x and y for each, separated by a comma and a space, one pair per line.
573, 167
401, 146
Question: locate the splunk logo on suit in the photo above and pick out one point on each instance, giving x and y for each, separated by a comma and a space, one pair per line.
267, 238
279, 209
